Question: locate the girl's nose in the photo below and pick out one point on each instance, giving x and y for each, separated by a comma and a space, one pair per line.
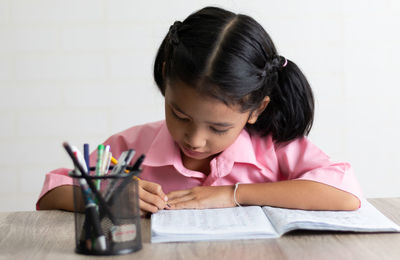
194, 139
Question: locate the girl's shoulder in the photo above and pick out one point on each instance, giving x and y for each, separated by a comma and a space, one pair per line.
298, 153
151, 128
138, 137
266, 143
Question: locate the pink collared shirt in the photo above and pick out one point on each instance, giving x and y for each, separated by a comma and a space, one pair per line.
250, 159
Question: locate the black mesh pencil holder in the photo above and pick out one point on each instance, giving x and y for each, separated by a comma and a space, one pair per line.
107, 220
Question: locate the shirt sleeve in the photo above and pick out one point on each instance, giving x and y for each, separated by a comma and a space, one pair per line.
137, 137
302, 160
60, 177
53, 179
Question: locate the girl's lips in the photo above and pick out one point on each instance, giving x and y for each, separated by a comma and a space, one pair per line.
192, 153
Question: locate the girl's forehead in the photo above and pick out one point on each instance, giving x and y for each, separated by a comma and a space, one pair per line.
180, 92
192, 102
205, 91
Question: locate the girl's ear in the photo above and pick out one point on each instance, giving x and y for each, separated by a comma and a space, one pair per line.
256, 113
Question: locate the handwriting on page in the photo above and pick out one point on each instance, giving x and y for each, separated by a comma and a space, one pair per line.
211, 221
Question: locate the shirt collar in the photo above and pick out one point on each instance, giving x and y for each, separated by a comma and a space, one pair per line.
241, 151
164, 151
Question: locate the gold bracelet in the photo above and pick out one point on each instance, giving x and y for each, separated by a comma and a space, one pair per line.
234, 194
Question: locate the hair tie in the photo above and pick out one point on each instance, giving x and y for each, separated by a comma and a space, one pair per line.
173, 33
285, 63
273, 65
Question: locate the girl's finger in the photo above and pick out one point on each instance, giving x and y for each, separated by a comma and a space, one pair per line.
151, 199
154, 188
144, 206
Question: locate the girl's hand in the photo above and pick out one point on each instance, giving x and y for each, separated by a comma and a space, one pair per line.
202, 197
151, 197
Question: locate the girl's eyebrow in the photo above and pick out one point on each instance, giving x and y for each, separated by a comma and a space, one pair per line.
178, 109
221, 124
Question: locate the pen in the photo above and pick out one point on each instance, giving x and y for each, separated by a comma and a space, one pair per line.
111, 167
123, 161
87, 198
115, 161
86, 155
127, 179
91, 214
94, 217
88, 203
92, 187
136, 166
109, 155
138, 162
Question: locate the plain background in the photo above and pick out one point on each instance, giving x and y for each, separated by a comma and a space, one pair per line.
81, 70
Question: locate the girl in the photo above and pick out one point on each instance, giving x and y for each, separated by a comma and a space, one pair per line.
236, 114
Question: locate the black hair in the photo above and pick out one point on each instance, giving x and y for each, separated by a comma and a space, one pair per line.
232, 58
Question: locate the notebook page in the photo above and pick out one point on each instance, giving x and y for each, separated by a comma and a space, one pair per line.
227, 221
365, 219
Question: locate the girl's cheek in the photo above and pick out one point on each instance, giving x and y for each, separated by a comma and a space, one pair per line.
178, 131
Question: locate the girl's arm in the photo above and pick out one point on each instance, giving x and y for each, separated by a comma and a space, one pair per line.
297, 194
61, 197
300, 194
151, 198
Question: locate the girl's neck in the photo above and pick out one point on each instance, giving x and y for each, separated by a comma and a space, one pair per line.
197, 165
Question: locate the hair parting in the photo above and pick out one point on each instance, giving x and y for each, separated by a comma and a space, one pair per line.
231, 57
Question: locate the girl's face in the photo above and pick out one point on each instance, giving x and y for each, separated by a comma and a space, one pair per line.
201, 126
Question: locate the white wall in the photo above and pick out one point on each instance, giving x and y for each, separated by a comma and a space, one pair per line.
80, 70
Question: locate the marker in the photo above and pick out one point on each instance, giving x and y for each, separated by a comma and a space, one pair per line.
91, 214
100, 151
92, 187
104, 161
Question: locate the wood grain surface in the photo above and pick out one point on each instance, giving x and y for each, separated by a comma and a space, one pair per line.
50, 235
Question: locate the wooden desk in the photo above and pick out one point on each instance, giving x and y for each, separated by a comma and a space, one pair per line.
50, 235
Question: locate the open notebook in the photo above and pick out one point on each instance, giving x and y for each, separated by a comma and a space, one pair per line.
261, 222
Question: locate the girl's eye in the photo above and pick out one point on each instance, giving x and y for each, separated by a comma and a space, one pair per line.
178, 117
218, 131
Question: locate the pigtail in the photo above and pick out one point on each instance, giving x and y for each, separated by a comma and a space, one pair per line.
290, 113
232, 58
